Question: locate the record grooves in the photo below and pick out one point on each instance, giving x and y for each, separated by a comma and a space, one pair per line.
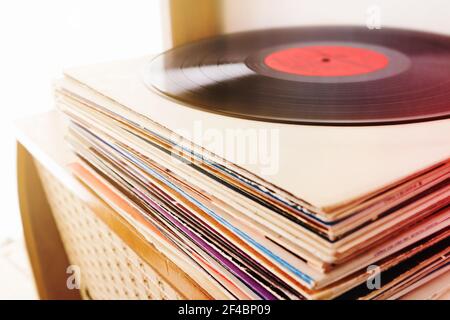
316, 75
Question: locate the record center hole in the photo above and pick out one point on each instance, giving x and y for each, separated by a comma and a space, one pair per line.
325, 60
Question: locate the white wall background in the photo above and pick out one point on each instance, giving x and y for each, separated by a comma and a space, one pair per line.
38, 39
426, 15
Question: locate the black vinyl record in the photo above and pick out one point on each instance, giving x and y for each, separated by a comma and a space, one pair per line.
314, 75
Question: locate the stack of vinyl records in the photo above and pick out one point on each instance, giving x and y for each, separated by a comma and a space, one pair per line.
301, 163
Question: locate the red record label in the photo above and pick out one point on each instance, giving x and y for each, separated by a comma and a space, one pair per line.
326, 61
312, 75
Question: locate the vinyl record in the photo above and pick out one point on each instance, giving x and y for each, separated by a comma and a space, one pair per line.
315, 75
